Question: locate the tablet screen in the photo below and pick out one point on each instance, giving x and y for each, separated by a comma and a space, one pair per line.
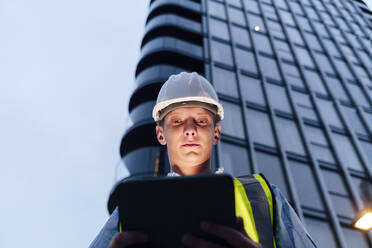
168, 207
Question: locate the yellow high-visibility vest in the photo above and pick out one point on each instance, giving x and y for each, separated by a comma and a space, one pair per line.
254, 203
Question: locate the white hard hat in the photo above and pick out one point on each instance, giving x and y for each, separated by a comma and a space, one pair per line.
186, 90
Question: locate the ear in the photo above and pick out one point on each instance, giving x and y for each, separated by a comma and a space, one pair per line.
217, 134
160, 135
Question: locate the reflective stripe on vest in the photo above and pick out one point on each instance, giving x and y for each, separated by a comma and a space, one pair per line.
253, 202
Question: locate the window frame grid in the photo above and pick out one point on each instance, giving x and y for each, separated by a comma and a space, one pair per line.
349, 63
356, 145
345, 173
282, 156
248, 143
360, 13
316, 168
288, 176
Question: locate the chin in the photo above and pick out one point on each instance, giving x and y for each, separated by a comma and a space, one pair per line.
192, 161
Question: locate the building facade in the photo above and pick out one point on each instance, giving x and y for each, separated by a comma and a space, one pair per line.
295, 80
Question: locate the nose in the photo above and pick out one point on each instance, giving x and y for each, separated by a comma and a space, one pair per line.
190, 128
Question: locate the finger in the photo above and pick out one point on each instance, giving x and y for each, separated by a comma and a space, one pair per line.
192, 241
230, 235
125, 239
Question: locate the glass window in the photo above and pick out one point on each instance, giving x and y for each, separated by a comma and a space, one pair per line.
354, 238
357, 181
290, 136
355, 27
312, 41
334, 182
275, 29
245, 60
314, 81
283, 50
307, 188
236, 3
342, 23
232, 124
322, 153
221, 52
331, 47
354, 40
365, 58
252, 90
348, 53
271, 167
278, 97
338, 194
240, 35
346, 151
255, 20
361, 73
219, 29
296, 8
294, 35
225, 82
333, 10
327, 19
259, 127
343, 205
336, 33
328, 111
320, 28
343, 68
357, 94
337, 89
287, 17
321, 232
316, 135
252, 6
367, 148
234, 159
270, 12
369, 116
319, 5
236, 16
311, 13
354, 120
304, 23
303, 56
262, 42
292, 75
281, 3
269, 67
323, 62
146, 156
216, 9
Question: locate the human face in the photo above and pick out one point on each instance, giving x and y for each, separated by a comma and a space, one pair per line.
189, 133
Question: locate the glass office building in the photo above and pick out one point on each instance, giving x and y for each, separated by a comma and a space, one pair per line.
295, 79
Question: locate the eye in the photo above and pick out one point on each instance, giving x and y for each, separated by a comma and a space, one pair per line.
176, 121
202, 121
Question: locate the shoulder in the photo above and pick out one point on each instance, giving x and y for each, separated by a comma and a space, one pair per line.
108, 231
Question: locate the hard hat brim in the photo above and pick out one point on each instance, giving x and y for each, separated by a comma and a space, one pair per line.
158, 108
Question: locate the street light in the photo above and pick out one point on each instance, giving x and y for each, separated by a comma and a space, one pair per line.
364, 220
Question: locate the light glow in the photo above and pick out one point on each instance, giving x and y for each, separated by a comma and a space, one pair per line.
257, 28
365, 221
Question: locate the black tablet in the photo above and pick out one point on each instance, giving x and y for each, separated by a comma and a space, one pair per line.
168, 207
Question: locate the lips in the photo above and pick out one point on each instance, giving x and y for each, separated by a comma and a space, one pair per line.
190, 145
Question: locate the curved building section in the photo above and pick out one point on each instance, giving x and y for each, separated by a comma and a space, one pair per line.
172, 43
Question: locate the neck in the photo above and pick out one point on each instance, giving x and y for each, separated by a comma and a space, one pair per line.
204, 168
